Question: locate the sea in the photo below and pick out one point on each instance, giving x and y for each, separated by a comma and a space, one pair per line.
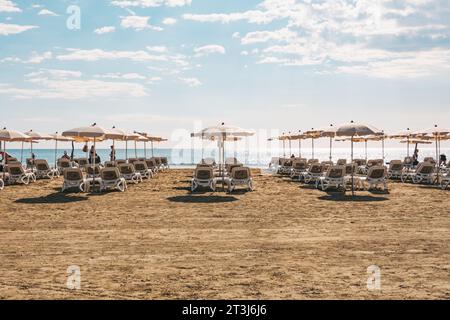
253, 158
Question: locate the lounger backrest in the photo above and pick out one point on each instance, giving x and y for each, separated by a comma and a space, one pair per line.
42, 165
110, 174
349, 168
132, 160
209, 161
335, 172
377, 172
158, 161
82, 162
241, 173
299, 164
90, 169
120, 162
140, 166
316, 168
126, 168
429, 160
396, 165
371, 163
150, 163
30, 162
110, 164
164, 161
282, 161
64, 163
425, 168
232, 166
15, 169
408, 160
341, 162
73, 174
231, 161
311, 161
141, 159
203, 173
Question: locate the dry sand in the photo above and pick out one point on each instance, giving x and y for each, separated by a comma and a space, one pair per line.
283, 241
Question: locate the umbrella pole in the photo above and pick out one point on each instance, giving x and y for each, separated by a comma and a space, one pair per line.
407, 144
153, 154
56, 152
94, 156
290, 148
145, 149
382, 147
284, 148
135, 149
312, 144
353, 182
126, 150
299, 148
21, 154
366, 149
331, 149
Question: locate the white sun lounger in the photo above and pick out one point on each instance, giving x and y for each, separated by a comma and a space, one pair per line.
128, 172
203, 177
239, 176
112, 180
142, 168
334, 178
16, 174
74, 178
376, 176
424, 173
43, 170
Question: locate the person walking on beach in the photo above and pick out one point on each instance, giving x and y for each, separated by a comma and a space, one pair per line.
442, 160
112, 155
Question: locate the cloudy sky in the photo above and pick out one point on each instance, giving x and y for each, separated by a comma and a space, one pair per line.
159, 65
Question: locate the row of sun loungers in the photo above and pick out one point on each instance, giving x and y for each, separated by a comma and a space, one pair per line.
80, 174
371, 173
207, 174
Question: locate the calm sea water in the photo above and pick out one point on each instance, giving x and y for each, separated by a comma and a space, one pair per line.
261, 158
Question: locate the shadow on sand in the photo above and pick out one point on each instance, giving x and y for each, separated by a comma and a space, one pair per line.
339, 196
202, 199
57, 197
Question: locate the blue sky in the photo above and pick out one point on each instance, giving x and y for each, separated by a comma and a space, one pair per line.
162, 65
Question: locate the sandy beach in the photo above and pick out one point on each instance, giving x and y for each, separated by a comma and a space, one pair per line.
282, 241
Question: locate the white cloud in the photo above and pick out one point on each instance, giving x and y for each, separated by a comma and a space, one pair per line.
124, 76
159, 49
169, 21
150, 3
53, 73
138, 23
8, 6
7, 29
35, 58
104, 30
76, 90
99, 54
264, 36
46, 12
209, 49
192, 82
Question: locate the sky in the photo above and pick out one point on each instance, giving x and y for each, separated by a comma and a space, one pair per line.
173, 66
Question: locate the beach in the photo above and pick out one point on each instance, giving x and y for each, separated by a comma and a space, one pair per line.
285, 240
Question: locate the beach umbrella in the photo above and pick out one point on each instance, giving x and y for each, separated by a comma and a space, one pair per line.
436, 133
11, 136
324, 132
354, 130
115, 134
57, 137
130, 137
223, 132
35, 137
403, 135
94, 132
312, 134
299, 137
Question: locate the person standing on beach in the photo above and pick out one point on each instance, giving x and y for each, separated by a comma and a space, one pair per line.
92, 155
416, 157
112, 155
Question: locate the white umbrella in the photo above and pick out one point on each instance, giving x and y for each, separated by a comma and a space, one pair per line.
11, 136
92, 132
36, 136
130, 137
403, 135
115, 134
355, 130
223, 132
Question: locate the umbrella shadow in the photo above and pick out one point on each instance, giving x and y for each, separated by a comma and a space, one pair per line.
339, 196
202, 199
52, 198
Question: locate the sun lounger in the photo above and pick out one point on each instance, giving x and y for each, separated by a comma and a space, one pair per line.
151, 164
209, 161
430, 160
63, 164
43, 170
333, 178
74, 178
299, 167
285, 166
314, 172
240, 176
142, 168
132, 160
341, 162
82, 162
93, 171
377, 175
112, 180
110, 164
230, 167
395, 169
424, 173
128, 171
165, 163
17, 174
203, 177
